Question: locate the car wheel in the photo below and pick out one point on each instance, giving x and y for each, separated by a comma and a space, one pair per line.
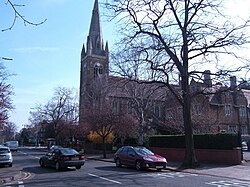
41, 163
78, 167
58, 167
118, 162
10, 165
138, 165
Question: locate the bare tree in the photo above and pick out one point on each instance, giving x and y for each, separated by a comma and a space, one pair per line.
59, 111
179, 38
9, 131
102, 122
17, 14
6, 91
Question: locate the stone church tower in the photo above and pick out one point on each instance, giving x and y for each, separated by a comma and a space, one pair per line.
94, 61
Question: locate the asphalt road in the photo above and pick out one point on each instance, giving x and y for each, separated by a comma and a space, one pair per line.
99, 173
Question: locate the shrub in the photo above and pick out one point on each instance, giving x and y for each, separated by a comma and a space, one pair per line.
224, 141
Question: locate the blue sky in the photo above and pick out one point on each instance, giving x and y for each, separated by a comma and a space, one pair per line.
48, 55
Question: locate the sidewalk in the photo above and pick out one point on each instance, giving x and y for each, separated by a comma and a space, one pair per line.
238, 172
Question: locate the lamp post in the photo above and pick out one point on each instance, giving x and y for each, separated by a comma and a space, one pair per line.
240, 133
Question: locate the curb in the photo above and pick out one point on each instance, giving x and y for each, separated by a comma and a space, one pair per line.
99, 159
19, 176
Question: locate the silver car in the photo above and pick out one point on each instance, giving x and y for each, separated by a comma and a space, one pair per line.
6, 157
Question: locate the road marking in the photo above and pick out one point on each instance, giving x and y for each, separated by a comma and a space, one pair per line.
20, 184
229, 183
93, 175
170, 175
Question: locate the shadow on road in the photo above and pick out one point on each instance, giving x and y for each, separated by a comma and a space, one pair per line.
40, 170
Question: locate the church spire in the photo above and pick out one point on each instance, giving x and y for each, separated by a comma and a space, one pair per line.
95, 41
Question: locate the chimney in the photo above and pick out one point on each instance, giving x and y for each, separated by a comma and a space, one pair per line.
207, 78
233, 84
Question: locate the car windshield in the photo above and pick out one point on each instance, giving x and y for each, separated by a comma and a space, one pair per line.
12, 143
3, 151
143, 151
68, 151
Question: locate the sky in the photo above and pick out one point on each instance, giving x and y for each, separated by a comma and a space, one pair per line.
48, 56
45, 56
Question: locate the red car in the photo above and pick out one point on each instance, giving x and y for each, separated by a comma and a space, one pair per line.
139, 157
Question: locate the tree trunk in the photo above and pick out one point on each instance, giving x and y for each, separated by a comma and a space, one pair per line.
104, 147
190, 158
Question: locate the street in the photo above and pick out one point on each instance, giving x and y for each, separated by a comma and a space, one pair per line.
99, 173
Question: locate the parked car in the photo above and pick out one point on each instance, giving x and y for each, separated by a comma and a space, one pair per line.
13, 145
6, 157
62, 158
244, 146
139, 157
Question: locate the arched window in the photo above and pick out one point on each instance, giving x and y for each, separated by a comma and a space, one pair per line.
98, 70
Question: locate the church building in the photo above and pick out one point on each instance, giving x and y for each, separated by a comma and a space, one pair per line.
158, 107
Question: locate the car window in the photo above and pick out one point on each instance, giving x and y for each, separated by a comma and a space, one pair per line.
131, 151
68, 151
120, 150
143, 151
56, 152
3, 150
124, 150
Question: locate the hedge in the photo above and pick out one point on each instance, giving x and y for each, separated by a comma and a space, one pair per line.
225, 141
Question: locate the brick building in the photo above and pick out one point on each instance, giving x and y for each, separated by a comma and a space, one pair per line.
218, 109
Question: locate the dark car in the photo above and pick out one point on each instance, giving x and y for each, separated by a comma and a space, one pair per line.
139, 157
62, 158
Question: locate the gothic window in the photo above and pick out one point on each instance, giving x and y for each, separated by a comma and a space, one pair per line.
180, 113
232, 128
98, 70
115, 107
157, 111
242, 111
228, 110
130, 107
244, 130
169, 114
197, 109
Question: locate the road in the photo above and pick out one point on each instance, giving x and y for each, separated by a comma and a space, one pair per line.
99, 173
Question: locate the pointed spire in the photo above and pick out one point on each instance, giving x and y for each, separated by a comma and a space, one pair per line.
83, 53
107, 47
95, 32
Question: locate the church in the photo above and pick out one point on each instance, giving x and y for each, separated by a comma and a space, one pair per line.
155, 106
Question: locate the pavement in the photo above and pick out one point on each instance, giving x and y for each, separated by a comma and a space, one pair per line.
237, 172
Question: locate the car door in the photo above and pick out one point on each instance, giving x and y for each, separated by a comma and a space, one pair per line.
55, 156
46, 158
131, 156
123, 155
52, 158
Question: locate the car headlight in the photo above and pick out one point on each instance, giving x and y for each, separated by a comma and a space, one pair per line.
164, 160
148, 159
